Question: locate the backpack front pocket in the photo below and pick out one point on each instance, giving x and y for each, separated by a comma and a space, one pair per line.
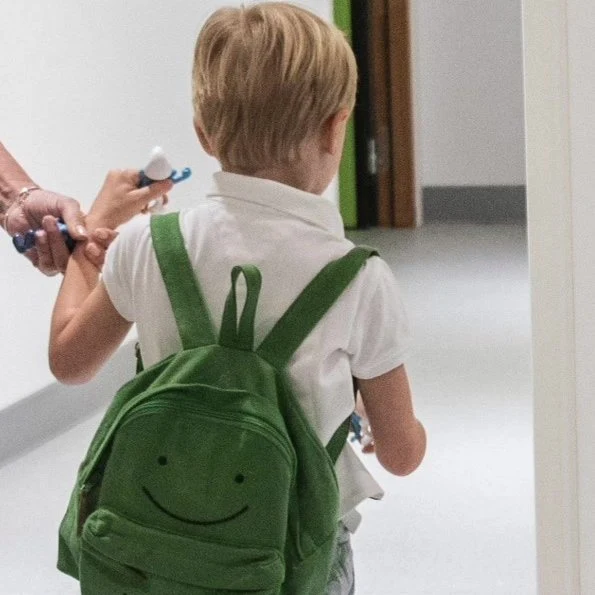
121, 557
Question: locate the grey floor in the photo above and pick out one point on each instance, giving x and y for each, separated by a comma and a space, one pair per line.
463, 524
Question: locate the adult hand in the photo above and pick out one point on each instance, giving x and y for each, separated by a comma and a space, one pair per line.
40, 210
120, 199
50, 246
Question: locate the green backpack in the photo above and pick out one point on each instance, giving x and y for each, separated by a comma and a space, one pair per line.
204, 475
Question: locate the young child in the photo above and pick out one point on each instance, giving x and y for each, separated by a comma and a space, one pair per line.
273, 88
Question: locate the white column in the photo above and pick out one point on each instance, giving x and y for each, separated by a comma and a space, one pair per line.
581, 52
560, 92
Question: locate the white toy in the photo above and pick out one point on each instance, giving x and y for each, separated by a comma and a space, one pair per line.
159, 168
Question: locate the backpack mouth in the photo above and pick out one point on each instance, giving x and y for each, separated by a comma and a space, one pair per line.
162, 508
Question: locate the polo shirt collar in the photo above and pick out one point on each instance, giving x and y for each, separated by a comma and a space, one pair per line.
313, 209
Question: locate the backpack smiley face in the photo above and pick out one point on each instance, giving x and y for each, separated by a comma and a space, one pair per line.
240, 478
215, 478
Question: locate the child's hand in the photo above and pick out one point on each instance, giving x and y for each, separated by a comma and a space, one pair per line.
97, 245
370, 447
120, 199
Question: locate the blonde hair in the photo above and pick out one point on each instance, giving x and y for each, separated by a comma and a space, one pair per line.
265, 79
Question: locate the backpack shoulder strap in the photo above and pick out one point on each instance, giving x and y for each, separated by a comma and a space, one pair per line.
311, 305
337, 442
304, 314
187, 301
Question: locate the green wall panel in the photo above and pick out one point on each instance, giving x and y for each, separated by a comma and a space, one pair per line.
347, 179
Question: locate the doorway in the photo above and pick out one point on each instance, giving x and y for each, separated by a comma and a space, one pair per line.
378, 182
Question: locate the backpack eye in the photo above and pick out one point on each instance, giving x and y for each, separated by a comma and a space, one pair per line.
239, 478
162, 460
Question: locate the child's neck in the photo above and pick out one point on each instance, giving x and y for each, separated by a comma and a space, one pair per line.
303, 176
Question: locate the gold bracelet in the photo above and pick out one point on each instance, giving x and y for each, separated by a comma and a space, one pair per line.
19, 200
23, 195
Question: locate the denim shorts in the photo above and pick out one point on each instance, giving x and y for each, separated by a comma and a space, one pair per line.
342, 577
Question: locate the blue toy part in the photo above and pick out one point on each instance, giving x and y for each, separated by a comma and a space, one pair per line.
356, 427
183, 175
26, 241
175, 177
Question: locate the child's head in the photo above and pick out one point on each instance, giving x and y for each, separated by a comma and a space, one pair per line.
267, 80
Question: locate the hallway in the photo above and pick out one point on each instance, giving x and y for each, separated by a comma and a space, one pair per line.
463, 524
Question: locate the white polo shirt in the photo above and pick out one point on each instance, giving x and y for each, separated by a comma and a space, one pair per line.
290, 235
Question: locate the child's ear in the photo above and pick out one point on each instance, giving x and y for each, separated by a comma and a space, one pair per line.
202, 137
334, 131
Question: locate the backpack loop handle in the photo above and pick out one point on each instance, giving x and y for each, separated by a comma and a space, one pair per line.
241, 335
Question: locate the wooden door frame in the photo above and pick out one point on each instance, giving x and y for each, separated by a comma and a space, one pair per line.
405, 189
391, 34
380, 83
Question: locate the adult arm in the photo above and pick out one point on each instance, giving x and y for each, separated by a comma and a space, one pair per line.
40, 210
86, 327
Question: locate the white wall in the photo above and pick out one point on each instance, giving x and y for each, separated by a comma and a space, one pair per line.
88, 86
470, 91
560, 85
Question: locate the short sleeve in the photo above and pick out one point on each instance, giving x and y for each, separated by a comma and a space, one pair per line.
381, 336
116, 273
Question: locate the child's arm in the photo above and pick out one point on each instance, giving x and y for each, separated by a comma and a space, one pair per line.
86, 328
399, 437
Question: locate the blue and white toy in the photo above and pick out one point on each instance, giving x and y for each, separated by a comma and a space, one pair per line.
158, 169
360, 427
